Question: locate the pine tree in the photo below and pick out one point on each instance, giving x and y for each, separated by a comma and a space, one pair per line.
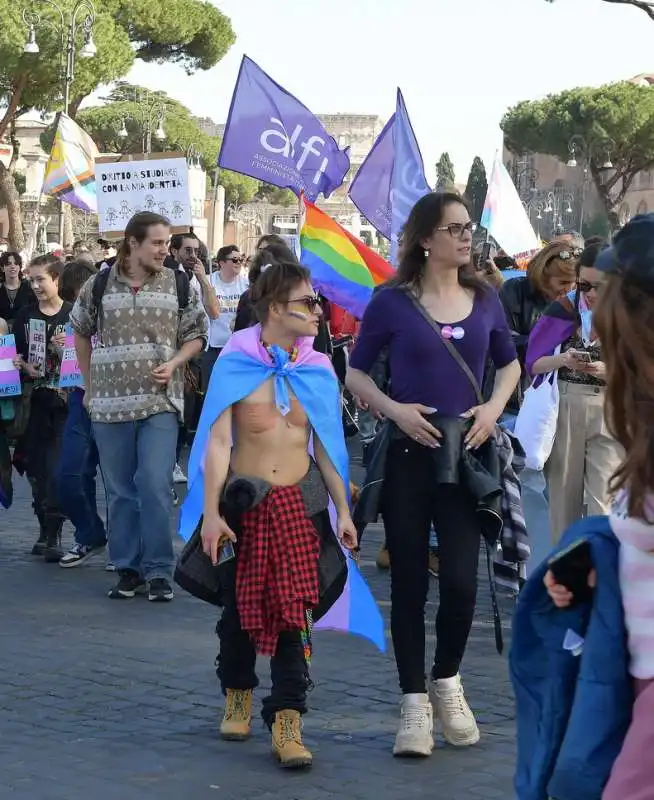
476, 188
444, 173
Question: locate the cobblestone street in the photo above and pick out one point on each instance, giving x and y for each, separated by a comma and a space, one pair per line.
119, 700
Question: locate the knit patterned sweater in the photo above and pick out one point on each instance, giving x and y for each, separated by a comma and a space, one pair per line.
140, 330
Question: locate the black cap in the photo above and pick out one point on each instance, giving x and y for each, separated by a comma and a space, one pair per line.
632, 251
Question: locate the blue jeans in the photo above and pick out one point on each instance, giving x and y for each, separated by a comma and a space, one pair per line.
137, 460
78, 466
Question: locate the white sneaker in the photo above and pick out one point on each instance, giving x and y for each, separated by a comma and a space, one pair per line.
452, 709
415, 734
178, 475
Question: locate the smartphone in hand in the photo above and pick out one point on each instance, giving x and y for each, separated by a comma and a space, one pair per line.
572, 567
227, 552
582, 355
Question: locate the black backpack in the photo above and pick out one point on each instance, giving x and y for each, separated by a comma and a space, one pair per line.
182, 285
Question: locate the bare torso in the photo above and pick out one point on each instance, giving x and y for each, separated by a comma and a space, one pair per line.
268, 445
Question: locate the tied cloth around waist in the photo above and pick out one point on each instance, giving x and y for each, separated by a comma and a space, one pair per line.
243, 492
278, 551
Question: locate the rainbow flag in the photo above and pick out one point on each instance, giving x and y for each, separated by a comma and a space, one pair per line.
70, 172
343, 268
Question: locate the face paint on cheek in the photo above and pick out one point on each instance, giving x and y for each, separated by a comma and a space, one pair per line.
299, 315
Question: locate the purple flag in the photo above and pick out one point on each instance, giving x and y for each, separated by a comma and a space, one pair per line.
272, 136
392, 178
371, 188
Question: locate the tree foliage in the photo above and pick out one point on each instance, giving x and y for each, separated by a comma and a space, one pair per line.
616, 121
445, 176
191, 33
644, 5
477, 188
276, 196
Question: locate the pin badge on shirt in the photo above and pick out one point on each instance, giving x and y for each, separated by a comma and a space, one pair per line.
449, 332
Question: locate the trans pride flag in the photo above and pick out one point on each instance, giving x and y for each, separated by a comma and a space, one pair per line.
70, 172
505, 218
243, 366
343, 268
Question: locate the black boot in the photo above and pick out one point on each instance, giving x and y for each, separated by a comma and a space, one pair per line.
53, 551
41, 542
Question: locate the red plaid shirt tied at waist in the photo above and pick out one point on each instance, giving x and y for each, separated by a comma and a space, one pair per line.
276, 567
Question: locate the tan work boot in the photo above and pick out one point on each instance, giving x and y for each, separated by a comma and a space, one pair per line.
287, 744
235, 726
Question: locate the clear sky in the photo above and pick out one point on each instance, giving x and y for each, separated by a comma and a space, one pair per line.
459, 63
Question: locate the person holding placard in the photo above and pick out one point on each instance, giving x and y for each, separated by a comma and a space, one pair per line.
39, 331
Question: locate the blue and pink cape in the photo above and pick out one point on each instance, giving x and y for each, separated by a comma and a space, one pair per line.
243, 366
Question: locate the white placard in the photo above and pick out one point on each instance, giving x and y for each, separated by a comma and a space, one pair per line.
124, 188
37, 345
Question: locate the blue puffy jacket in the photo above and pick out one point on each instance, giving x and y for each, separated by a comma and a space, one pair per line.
572, 711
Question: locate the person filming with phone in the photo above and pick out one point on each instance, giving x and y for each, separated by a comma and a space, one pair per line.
584, 455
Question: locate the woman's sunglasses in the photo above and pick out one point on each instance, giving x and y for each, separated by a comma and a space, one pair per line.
587, 286
566, 255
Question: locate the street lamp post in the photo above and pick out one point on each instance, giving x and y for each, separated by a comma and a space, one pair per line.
150, 117
596, 149
526, 181
80, 19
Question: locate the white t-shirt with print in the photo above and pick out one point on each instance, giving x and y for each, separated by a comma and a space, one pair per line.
228, 296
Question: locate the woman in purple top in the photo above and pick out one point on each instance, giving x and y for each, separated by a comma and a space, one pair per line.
427, 385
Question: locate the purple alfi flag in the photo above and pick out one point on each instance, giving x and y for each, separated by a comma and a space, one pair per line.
392, 178
270, 135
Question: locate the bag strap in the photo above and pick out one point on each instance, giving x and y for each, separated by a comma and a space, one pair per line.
447, 343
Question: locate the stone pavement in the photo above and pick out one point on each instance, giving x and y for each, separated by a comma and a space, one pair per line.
118, 700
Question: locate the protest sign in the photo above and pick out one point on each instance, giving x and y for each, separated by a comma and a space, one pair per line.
157, 183
69, 373
9, 375
37, 345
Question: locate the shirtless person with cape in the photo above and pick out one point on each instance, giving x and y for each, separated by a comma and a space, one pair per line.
271, 433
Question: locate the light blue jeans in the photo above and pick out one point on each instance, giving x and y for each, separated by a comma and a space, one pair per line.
137, 461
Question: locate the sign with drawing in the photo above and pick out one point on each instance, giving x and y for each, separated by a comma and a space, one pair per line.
158, 183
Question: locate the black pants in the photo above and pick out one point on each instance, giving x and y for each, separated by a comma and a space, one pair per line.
43, 437
236, 661
412, 501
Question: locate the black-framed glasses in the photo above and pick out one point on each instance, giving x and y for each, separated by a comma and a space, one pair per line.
310, 302
587, 286
457, 229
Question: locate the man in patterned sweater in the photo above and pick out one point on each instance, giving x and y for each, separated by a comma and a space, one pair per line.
135, 379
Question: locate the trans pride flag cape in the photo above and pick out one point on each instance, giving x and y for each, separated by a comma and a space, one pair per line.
243, 366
